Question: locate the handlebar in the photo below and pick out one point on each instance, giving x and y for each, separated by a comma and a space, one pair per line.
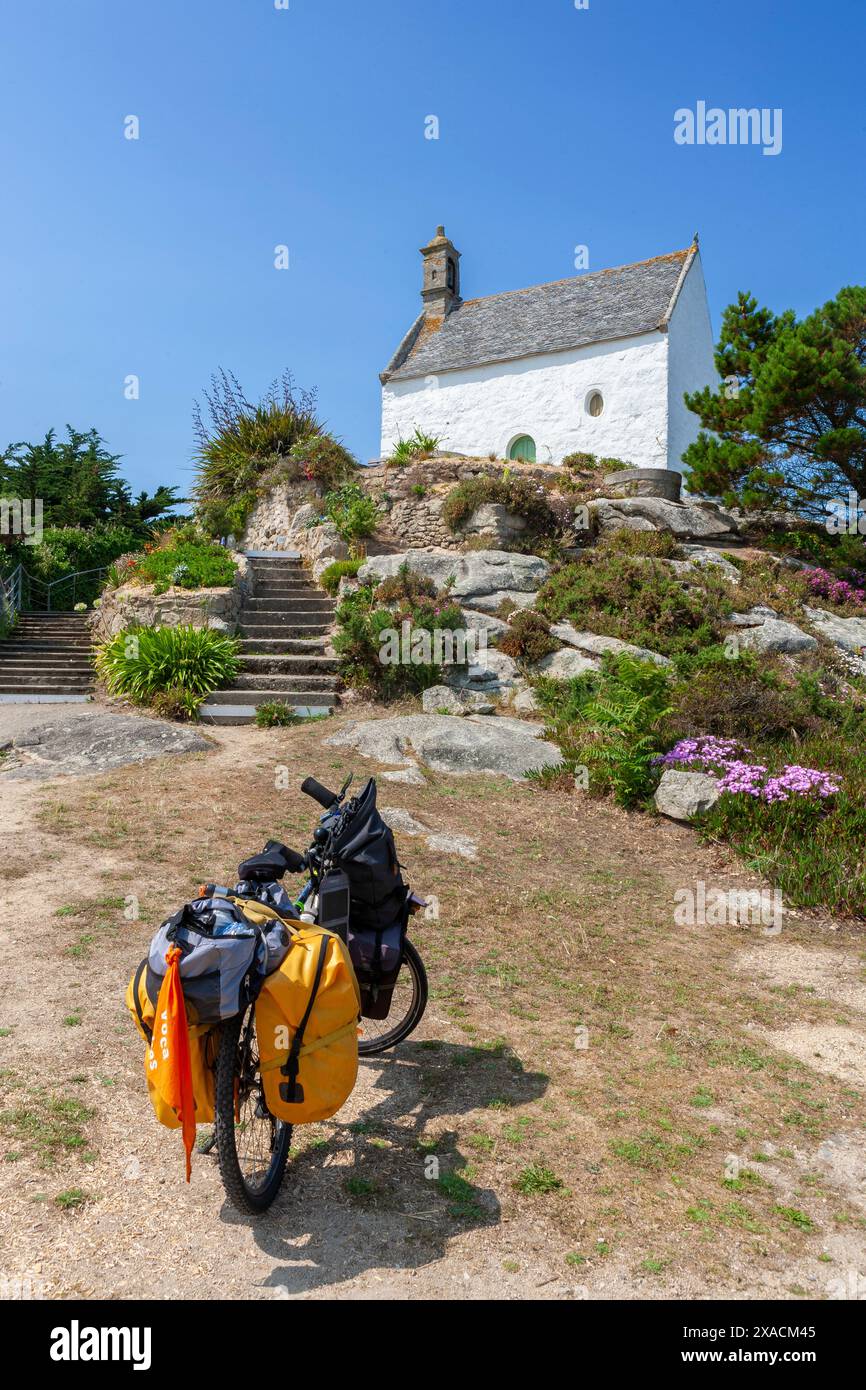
277, 859
319, 793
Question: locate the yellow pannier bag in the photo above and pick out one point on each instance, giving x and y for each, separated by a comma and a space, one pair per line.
307, 1029
203, 1048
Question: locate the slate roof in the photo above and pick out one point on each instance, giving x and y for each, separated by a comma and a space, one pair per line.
604, 305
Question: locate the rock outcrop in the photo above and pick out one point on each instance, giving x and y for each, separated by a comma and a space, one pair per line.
763, 632
594, 644
478, 744
482, 579
689, 521
685, 795
75, 747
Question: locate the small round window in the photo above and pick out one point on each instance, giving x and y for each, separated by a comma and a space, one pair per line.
595, 404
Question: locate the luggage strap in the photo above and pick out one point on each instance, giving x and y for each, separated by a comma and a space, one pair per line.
252, 908
292, 1064
337, 1036
146, 1030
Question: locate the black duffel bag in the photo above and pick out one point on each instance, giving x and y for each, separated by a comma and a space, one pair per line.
379, 901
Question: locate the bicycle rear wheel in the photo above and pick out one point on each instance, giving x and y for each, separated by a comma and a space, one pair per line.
252, 1144
407, 1008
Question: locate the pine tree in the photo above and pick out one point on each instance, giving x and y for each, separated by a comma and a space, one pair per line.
79, 483
789, 419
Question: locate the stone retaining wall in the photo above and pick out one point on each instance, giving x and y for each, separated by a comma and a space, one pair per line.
269, 522
412, 497
137, 605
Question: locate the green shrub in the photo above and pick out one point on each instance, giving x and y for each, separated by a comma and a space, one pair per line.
141, 662
362, 618
190, 565
637, 600
610, 722
68, 549
590, 463
406, 586
659, 545
245, 447
519, 495
418, 446
324, 461
742, 697
340, 569
176, 703
276, 714
122, 571
353, 512
528, 638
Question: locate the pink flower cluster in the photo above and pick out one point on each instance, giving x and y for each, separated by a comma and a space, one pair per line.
725, 759
825, 585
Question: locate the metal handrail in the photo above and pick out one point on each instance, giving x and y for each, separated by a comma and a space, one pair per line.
10, 594
12, 589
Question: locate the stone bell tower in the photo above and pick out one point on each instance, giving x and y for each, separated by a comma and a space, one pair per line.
441, 289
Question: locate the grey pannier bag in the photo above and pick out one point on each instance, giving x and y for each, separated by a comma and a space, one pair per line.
224, 956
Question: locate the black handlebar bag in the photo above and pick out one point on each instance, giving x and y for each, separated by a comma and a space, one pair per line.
379, 901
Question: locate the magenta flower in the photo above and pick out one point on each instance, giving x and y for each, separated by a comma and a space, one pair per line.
823, 584
725, 759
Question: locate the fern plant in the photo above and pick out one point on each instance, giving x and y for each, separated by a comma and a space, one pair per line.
611, 723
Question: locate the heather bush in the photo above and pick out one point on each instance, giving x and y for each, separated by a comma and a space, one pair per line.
528, 637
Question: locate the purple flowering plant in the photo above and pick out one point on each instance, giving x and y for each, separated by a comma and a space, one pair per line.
822, 584
727, 760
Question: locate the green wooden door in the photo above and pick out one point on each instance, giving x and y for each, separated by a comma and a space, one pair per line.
523, 448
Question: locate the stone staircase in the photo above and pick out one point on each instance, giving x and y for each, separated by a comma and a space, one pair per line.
46, 659
283, 626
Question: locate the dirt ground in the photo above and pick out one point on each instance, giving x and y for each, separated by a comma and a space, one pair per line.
616, 1105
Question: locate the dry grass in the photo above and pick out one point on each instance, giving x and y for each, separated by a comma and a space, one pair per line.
586, 1067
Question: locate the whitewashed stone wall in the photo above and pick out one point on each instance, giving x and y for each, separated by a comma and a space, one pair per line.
484, 410
690, 361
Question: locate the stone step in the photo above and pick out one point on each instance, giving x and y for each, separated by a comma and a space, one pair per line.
269, 631
67, 631
38, 649
77, 623
214, 713
319, 603
284, 680
315, 665
283, 555
45, 676
28, 698
277, 574
303, 589
47, 662
287, 646
248, 695
48, 688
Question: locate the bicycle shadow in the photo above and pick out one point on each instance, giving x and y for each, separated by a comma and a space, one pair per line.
382, 1191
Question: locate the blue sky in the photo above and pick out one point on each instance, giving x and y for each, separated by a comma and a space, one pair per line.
305, 127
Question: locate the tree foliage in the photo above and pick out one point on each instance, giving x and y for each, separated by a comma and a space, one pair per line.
79, 483
787, 426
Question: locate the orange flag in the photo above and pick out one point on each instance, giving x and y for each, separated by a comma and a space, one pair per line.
169, 1060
